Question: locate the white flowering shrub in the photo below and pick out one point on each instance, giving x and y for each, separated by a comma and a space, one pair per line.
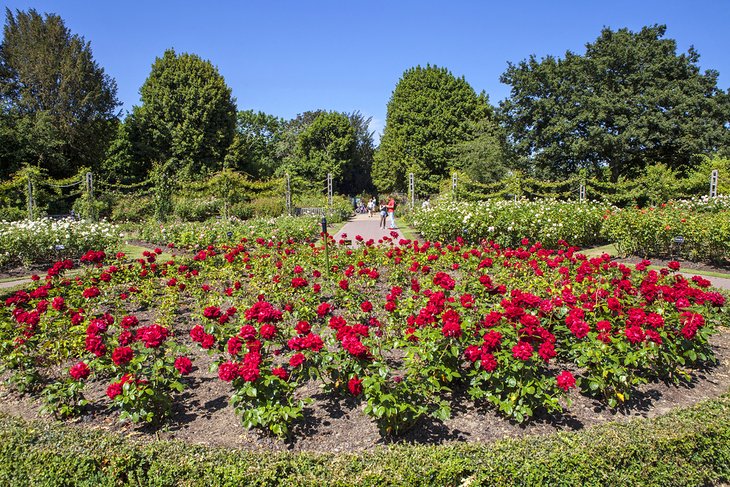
201, 234
29, 242
508, 222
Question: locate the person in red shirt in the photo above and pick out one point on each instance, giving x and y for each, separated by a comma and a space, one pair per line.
391, 212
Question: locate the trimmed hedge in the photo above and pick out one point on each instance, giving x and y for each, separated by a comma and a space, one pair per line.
685, 447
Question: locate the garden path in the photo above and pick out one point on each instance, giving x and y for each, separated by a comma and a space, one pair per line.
367, 227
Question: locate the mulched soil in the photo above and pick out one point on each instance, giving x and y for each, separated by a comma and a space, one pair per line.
202, 414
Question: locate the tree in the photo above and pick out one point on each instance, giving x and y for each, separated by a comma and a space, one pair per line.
327, 145
187, 118
628, 102
430, 113
58, 99
254, 148
356, 175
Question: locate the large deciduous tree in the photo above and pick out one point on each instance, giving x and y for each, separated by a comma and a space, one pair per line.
431, 113
254, 148
187, 118
628, 102
58, 108
327, 145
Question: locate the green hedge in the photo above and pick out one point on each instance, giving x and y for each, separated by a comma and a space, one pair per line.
685, 447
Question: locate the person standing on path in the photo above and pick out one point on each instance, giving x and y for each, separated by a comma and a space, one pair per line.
383, 215
391, 212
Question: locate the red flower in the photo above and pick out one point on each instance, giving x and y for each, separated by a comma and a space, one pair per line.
79, 371
565, 380
344, 284
324, 309
488, 362
183, 365
297, 359
196, 333
280, 372
122, 355
634, 334
267, 331
114, 389
227, 371
366, 306
674, 265
523, 350
355, 386
303, 327
91, 292
234, 345
152, 335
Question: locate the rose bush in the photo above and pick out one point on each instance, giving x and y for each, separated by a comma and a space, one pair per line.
507, 222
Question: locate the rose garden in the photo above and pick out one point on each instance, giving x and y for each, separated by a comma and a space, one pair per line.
197, 294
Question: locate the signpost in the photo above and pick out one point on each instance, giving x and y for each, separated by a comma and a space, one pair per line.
326, 246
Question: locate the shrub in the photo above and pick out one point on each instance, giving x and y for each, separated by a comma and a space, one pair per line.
508, 222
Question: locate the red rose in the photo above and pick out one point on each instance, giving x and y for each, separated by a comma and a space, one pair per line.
152, 335
366, 306
566, 380
297, 359
355, 386
267, 331
523, 350
227, 371
280, 372
114, 389
79, 371
183, 365
122, 355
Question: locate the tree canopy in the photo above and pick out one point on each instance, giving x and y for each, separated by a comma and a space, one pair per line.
430, 114
626, 103
187, 118
326, 145
58, 107
254, 148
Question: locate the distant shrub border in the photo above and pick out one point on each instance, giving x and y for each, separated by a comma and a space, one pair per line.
684, 447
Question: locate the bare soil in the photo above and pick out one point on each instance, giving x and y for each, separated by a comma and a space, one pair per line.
202, 414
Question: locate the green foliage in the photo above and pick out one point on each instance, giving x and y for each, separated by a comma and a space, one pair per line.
683, 448
132, 208
430, 116
187, 117
59, 125
253, 150
326, 146
64, 399
628, 102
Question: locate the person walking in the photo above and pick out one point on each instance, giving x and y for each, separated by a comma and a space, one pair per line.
371, 207
383, 215
391, 212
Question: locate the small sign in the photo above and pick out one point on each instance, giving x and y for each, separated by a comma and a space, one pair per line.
324, 225
679, 239
60, 247
230, 234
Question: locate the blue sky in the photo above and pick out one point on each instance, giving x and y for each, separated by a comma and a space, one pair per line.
286, 57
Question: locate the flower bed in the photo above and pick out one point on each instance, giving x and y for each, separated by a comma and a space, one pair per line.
41, 241
698, 230
508, 222
194, 235
395, 326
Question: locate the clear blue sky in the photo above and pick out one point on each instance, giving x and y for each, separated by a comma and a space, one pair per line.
286, 57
